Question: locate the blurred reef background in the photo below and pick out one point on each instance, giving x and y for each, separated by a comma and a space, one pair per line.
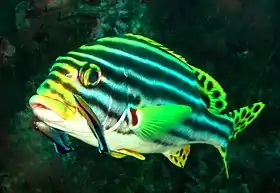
236, 41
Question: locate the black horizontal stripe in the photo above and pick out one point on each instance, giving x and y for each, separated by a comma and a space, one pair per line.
144, 68
92, 100
162, 142
150, 90
58, 80
119, 96
61, 70
69, 62
203, 126
48, 87
111, 74
145, 53
180, 134
184, 131
224, 121
103, 105
116, 94
157, 141
106, 71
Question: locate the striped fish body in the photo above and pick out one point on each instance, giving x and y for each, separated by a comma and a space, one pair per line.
134, 73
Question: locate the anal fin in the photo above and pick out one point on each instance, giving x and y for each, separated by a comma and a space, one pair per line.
180, 157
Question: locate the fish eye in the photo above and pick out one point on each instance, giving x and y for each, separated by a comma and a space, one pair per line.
90, 75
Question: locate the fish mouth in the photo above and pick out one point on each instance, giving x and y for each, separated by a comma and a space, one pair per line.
49, 109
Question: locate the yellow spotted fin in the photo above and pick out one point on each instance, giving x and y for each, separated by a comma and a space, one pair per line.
207, 84
241, 119
121, 153
212, 90
154, 122
244, 116
180, 157
223, 153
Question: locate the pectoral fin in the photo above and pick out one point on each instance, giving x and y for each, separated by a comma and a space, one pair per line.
121, 153
180, 157
154, 122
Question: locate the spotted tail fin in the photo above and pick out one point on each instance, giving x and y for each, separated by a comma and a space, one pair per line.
241, 119
244, 116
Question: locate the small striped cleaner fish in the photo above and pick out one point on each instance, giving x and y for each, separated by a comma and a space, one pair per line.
147, 99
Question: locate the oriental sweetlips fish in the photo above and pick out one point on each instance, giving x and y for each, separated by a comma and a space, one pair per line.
129, 95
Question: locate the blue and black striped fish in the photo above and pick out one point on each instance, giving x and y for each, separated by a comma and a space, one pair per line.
147, 98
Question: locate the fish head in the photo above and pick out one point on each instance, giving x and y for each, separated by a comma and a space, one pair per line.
104, 91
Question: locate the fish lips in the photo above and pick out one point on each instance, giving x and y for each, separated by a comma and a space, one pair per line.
49, 109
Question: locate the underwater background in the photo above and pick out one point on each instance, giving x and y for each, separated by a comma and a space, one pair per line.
236, 41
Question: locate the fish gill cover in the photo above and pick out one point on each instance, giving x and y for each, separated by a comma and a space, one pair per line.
236, 42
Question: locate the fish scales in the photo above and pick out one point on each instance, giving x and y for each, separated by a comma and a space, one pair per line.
175, 82
147, 98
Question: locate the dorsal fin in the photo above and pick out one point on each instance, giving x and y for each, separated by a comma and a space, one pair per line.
212, 89
158, 45
207, 84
